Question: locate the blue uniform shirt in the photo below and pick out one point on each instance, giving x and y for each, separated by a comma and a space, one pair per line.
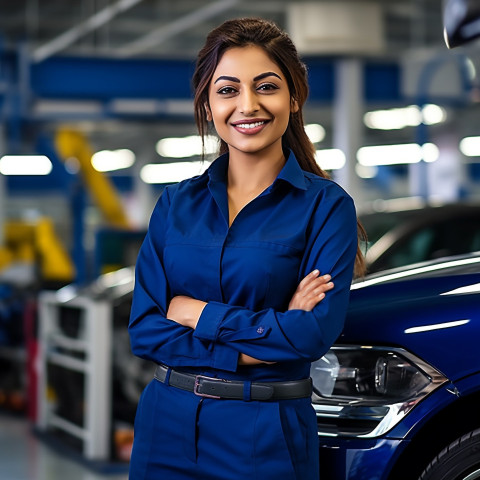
247, 273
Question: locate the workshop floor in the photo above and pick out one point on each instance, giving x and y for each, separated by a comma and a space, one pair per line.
24, 457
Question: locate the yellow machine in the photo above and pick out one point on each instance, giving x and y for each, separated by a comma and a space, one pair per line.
73, 144
36, 242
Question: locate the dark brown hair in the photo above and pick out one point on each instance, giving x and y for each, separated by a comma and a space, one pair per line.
242, 32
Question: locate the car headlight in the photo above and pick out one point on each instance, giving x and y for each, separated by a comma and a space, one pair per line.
365, 391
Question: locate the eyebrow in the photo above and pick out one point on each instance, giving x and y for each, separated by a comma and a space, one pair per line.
258, 77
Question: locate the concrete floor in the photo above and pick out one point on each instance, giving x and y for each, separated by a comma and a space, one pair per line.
24, 457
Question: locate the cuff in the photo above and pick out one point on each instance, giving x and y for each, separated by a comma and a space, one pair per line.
210, 320
226, 358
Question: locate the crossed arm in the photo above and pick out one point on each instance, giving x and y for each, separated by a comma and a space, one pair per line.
311, 290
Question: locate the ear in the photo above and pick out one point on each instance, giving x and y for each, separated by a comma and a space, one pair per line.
294, 108
208, 112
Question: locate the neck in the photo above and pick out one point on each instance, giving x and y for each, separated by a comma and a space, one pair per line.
254, 172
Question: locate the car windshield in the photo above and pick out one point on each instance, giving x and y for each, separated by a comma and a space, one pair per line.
379, 223
407, 236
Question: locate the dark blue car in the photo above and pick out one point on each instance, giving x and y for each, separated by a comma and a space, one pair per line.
398, 396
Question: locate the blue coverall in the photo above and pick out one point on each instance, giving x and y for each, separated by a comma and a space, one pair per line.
247, 273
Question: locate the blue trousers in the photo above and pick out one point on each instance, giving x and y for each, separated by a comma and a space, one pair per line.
180, 436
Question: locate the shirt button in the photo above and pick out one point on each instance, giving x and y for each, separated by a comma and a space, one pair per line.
260, 330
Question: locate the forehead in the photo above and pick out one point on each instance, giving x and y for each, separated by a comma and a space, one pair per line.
244, 62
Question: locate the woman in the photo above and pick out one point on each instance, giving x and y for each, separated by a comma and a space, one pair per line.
234, 295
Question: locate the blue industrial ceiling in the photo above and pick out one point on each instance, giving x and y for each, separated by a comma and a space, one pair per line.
107, 79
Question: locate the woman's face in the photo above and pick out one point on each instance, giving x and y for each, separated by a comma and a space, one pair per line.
249, 101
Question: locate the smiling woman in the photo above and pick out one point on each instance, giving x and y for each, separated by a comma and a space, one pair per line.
234, 295
250, 104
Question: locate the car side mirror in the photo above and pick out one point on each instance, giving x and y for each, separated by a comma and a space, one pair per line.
461, 21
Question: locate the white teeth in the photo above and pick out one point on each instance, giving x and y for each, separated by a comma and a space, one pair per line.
250, 125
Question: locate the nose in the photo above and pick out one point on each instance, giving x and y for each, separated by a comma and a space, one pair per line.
248, 102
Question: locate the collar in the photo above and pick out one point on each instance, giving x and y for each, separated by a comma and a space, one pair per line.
291, 171
218, 169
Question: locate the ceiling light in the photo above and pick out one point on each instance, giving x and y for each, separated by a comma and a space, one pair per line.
172, 172
109, 160
397, 154
433, 114
398, 118
315, 132
184, 147
25, 165
330, 159
470, 146
364, 171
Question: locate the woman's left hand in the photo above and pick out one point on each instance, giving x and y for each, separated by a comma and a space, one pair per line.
185, 310
310, 291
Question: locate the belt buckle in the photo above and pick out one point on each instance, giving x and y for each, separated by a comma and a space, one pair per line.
197, 384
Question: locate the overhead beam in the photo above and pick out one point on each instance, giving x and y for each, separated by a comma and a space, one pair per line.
72, 35
70, 78
159, 35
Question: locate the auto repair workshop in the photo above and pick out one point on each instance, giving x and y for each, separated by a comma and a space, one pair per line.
177, 183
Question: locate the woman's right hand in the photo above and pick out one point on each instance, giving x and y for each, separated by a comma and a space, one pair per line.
310, 291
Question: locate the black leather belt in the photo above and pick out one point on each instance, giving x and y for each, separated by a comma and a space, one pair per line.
231, 389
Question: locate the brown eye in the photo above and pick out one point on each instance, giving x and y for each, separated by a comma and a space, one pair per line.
267, 87
227, 91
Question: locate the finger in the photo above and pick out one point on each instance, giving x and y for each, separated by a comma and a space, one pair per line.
322, 289
312, 302
316, 296
315, 283
306, 280
310, 291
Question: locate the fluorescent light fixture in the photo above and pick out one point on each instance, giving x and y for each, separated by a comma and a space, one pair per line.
397, 154
364, 171
184, 147
437, 326
398, 118
315, 132
470, 146
67, 107
400, 204
25, 165
109, 160
172, 172
433, 114
330, 159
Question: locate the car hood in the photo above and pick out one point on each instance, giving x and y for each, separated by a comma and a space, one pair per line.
434, 318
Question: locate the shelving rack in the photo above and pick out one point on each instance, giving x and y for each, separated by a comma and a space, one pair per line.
88, 352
